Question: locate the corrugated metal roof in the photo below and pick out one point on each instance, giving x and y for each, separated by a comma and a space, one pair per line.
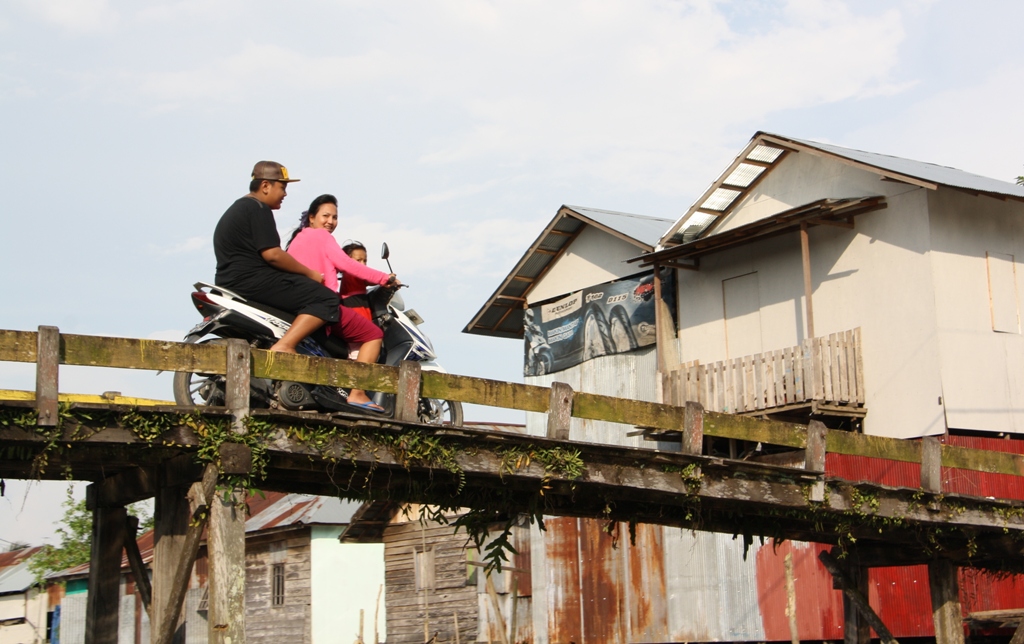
644, 229
766, 150
280, 510
930, 172
501, 315
15, 576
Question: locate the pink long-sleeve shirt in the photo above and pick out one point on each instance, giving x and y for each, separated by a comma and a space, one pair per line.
317, 249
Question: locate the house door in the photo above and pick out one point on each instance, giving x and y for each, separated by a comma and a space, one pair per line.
742, 305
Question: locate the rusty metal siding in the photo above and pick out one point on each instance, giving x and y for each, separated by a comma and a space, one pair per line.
626, 375
562, 548
646, 597
602, 581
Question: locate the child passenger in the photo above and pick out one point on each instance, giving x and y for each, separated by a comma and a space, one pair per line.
353, 288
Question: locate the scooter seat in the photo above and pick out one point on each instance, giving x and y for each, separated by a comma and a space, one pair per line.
332, 345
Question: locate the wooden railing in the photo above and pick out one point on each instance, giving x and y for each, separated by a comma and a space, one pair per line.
48, 348
826, 371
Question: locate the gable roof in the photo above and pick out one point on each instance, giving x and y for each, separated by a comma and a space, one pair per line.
497, 317
766, 150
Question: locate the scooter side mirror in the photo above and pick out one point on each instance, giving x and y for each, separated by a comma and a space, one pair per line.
384, 252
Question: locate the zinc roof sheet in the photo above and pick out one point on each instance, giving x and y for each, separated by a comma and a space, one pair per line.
15, 576
919, 169
647, 230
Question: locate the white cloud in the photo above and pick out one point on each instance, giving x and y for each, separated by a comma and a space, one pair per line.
456, 193
75, 15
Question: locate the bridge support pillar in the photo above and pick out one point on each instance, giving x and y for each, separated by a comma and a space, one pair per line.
226, 543
945, 591
103, 605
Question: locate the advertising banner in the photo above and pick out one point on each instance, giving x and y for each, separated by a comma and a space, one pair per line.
609, 318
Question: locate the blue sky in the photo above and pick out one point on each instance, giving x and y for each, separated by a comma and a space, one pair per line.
453, 130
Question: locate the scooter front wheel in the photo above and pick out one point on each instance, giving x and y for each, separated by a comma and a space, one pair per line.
440, 412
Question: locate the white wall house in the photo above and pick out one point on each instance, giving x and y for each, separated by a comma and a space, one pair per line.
919, 264
926, 262
23, 603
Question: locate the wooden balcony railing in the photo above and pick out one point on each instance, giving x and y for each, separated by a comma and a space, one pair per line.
825, 374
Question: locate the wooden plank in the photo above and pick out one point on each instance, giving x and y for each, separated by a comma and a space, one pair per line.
833, 341
807, 355
720, 386
982, 460
840, 442
47, 368
123, 488
103, 603
857, 597
780, 377
749, 391
324, 371
560, 412
851, 367
805, 257
819, 384
18, 346
841, 364
826, 370
856, 629
133, 353
759, 392
945, 594
480, 391
226, 545
790, 386
407, 398
798, 374
859, 366
769, 379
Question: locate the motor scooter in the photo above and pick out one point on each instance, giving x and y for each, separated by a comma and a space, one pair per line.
229, 315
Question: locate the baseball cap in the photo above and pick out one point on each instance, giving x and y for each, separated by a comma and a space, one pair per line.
271, 171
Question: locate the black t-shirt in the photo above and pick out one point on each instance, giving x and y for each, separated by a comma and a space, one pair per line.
246, 228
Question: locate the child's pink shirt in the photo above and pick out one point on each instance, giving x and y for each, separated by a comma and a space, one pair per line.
317, 249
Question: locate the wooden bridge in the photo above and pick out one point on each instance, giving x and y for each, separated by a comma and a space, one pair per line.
198, 463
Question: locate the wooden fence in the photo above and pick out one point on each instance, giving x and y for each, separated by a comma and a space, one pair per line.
826, 370
48, 348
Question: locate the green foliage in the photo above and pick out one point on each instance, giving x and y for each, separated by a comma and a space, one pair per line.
75, 533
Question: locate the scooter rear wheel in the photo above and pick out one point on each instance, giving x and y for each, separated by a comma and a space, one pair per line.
199, 389
441, 412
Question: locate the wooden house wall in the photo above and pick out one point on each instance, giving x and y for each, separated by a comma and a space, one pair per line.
407, 607
876, 276
265, 622
978, 263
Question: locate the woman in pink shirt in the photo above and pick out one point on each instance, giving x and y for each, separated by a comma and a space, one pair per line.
314, 246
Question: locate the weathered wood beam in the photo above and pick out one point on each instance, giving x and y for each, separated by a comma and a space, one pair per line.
138, 568
121, 489
560, 414
407, 398
174, 574
226, 545
103, 605
945, 594
851, 589
47, 367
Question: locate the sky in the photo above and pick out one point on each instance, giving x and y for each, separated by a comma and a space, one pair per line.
451, 129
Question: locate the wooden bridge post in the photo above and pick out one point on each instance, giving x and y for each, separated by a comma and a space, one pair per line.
814, 457
103, 605
47, 367
560, 411
226, 537
945, 592
693, 428
931, 465
407, 400
858, 616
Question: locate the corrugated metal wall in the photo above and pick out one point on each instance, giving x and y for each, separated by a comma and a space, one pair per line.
626, 375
